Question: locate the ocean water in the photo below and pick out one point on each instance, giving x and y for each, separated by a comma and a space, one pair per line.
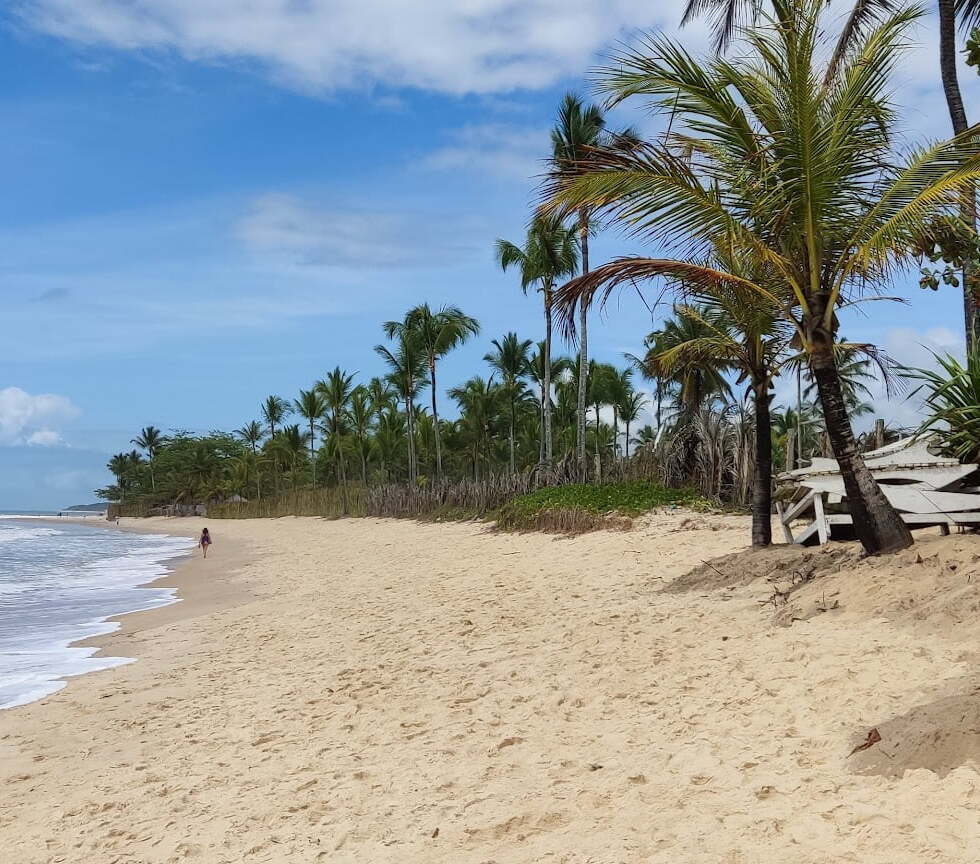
58, 584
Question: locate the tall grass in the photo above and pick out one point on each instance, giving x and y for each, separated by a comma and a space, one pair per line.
461, 500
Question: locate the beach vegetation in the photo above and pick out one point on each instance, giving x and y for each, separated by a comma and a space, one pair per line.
776, 196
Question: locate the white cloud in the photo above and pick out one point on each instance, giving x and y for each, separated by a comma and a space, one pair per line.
27, 419
44, 437
451, 46
313, 235
493, 149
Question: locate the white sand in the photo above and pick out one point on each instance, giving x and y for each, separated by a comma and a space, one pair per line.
391, 692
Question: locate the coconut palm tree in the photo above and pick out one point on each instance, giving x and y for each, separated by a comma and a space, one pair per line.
545, 369
275, 410
630, 408
692, 385
361, 417
311, 406
437, 333
804, 178
477, 400
407, 376
579, 128
150, 440
336, 390
740, 333
550, 252
289, 444
251, 433
729, 16
511, 357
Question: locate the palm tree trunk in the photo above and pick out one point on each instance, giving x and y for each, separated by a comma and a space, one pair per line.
626, 455
435, 419
258, 475
598, 454
342, 474
546, 385
583, 365
876, 523
762, 476
363, 463
957, 114
275, 461
410, 431
513, 410
313, 453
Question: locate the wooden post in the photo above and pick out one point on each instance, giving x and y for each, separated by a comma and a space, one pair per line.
823, 531
879, 434
787, 531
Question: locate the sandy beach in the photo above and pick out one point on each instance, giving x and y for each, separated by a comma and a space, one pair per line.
383, 691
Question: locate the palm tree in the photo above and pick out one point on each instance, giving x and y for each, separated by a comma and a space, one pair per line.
388, 438
693, 385
361, 416
646, 438
619, 386
252, 434
629, 408
731, 15
437, 333
407, 375
290, 444
275, 410
150, 440
124, 466
744, 335
550, 252
545, 369
578, 130
311, 406
477, 399
336, 390
770, 172
511, 358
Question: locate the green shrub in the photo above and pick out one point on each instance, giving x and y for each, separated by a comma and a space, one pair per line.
573, 509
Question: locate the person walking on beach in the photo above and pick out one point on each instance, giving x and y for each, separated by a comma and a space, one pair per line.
205, 541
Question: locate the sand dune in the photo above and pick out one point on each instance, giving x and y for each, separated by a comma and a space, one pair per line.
378, 691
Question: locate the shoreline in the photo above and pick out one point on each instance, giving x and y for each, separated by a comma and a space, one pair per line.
192, 597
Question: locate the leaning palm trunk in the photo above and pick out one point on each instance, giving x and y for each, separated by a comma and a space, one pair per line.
876, 522
762, 476
957, 115
583, 337
546, 382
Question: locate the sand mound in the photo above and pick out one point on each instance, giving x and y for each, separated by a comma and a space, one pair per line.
937, 736
933, 585
792, 564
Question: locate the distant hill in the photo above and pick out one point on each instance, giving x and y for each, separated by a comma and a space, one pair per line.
97, 508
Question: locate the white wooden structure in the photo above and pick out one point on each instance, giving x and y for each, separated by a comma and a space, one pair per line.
926, 490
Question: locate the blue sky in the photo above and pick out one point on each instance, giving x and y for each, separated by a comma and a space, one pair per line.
207, 201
